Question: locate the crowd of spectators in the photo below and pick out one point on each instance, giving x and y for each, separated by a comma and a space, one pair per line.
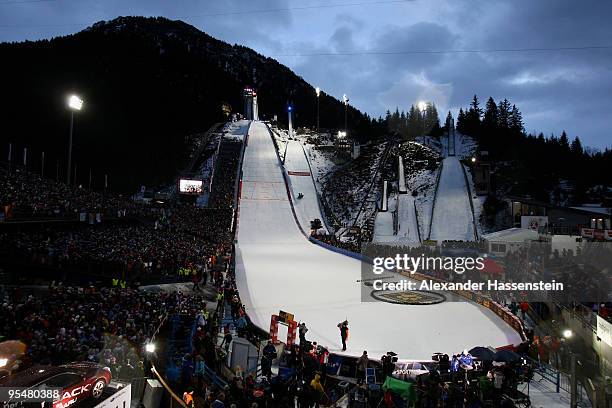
304, 365
581, 270
352, 245
224, 179
108, 326
27, 195
182, 236
151, 239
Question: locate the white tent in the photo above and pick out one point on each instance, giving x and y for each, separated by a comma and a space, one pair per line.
509, 240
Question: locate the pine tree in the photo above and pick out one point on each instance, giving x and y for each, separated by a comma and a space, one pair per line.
503, 122
431, 122
461, 121
490, 120
564, 142
577, 147
472, 118
516, 121
403, 124
448, 122
394, 120
475, 107
414, 123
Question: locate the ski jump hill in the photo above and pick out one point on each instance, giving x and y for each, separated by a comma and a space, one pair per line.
452, 217
277, 267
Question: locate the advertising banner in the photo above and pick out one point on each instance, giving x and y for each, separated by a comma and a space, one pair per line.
604, 330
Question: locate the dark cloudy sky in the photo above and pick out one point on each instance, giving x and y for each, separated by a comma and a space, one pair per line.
555, 89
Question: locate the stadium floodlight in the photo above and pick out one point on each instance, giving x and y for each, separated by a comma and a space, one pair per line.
473, 159
150, 347
74, 102
567, 333
345, 99
341, 134
3, 362
318, 91
289, 108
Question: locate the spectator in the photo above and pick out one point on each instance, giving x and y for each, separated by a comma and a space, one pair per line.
362, 365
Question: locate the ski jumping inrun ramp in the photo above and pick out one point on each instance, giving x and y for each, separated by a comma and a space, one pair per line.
278, 268
452, 215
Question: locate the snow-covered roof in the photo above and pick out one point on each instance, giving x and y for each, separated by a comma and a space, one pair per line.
594, 209
512, 235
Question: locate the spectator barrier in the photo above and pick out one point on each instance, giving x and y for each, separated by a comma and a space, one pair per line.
238, 187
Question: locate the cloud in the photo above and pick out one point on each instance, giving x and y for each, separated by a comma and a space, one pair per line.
554, 89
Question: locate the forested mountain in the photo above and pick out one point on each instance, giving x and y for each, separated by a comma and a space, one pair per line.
147, 84
536, 165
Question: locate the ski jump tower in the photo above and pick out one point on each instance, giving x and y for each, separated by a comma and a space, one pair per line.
251, 111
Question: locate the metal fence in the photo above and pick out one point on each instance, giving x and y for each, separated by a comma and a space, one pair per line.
585, 389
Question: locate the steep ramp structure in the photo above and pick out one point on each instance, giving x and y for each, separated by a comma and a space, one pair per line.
452, 218
277, 267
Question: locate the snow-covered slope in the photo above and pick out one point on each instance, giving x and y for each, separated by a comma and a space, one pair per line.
383, 227
407, 230
278, 268
452, 214
301, 181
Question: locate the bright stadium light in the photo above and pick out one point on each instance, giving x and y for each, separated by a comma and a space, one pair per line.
567, 333
150, 347
3, 362
74, 102
473, 160
345, 99
318, 91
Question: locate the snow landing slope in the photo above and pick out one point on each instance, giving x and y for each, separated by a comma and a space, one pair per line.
408, 229
452, 214
278, 268
300, 181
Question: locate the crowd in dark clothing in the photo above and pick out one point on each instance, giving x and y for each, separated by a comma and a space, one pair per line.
181, 237
224, 179
330, 239
145, 239
108, 326
582, 271
25, 195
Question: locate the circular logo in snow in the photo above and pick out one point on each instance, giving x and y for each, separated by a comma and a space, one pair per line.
408, 297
